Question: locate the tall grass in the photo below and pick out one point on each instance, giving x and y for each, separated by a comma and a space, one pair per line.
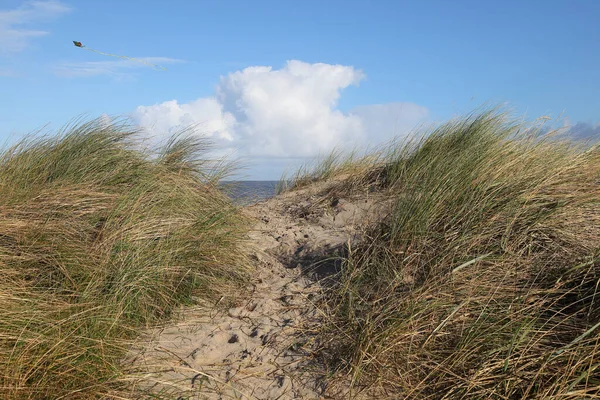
97, 240
353, 168
483, 281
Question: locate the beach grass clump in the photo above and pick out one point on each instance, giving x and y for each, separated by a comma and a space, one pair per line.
101, 237
356, 170
483, 280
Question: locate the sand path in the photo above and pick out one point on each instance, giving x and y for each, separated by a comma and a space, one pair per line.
263, 348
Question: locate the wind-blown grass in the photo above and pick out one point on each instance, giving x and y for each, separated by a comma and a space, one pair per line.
97, 240
353, 167
483, 281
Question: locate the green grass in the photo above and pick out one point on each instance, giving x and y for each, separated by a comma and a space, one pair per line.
482, 282
100, 238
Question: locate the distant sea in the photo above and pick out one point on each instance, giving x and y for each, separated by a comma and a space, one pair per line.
249, 192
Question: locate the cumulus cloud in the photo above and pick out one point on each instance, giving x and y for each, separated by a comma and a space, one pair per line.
291, 112
170, 116
15, 29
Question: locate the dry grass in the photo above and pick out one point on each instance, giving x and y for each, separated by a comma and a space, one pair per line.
483, 281
97, 240
358, 172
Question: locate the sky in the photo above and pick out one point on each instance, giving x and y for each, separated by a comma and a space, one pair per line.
276, 83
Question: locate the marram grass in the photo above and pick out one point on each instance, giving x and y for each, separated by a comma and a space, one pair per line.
483, 281
98, 239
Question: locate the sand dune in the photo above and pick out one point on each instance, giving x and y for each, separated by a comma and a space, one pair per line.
262, 349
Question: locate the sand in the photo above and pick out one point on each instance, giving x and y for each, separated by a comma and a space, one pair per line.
264, 348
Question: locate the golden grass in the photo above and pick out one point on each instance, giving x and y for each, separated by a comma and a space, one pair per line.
97, 240
482, 283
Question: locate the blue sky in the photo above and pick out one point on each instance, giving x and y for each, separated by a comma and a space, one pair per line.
276, 82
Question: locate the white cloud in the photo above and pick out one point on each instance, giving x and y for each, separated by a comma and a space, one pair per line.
14, 31
168, 117
113, 68
291, 111
267, 113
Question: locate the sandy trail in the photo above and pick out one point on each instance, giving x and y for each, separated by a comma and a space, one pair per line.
263, 348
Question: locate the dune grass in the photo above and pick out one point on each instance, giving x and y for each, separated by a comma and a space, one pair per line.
98, 239
482, 282
355, 168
